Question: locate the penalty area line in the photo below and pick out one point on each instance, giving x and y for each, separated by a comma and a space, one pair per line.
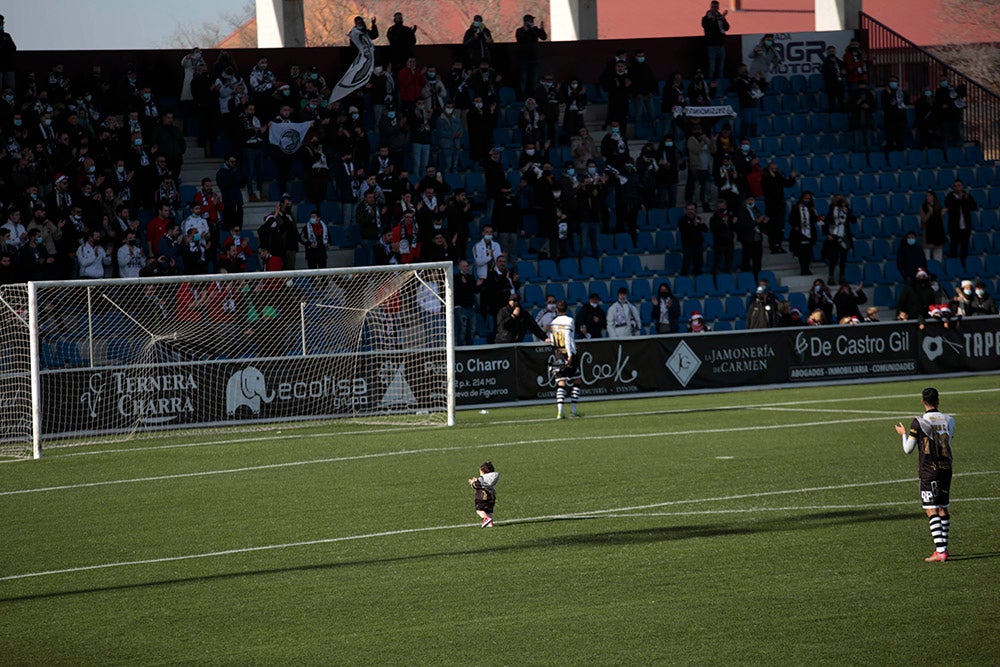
595, 514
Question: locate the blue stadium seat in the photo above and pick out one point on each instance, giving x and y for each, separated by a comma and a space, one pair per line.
657, 217
725, 284
475, 183
974, 267
590, 268
684, 286
887, 182
897, 160
644, 242
576, 292
858, 161
689, 306
829, 184
909, 223
985, 174
873, 273
770, 146
878, 205
883, 296
868, 183
665, 240
882, 249
548, 270
558, 290
862, 249
623, 243
610, 267
808, 143
927, 179
869, 227
839, 163
507, 96
640, 290
789, 143
988, 218
849, 185
672, 263
736, 308
745, 282
646, 314
715, 309
860, 206
892, 227
991, 267
935, 157
810, 183
821, 164
704, 285
877, 162
968, 176
600, 288
953, 268
906, 181
980, 243
616, 285
632, 266
799, 300
605, 244
569, 267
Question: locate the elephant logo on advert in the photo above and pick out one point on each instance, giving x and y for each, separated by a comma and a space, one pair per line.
246, 388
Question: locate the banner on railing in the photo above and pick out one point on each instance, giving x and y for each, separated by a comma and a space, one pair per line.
801, 52
727, 360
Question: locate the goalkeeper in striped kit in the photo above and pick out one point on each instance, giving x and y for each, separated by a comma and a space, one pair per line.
563, 363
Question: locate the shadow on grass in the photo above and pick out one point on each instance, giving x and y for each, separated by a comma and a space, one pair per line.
598, 538
988, 554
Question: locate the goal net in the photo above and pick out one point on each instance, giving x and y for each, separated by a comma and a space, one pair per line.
15, 372
120, 357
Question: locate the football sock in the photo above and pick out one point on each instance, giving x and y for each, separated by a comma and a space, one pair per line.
945, 528
574, 397
937, 533
560, 398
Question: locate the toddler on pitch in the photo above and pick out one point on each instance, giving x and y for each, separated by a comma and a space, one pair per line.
486, 492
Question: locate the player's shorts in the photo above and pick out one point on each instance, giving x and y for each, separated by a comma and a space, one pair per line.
936, 491
564, 371
485, 500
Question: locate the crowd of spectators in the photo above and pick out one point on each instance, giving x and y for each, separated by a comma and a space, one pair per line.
91, 166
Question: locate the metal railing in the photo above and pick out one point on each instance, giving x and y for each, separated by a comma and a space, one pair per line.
891, 54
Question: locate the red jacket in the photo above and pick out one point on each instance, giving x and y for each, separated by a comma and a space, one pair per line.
411, 84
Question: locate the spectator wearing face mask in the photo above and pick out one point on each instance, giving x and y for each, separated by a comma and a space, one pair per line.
894, 106
910, 256
316, 239
762, 309
591, 320
765, 59
666, 310
832, 70
932, 226
402, 38
545, 315
715, 26
527, 37
481, 120
960, 205
981, 302
477, 41
916, 297
949, 101
856, 65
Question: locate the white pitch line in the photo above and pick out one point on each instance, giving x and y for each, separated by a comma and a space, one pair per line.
429, 450
595, 514
796, 508
838, 411
286, 436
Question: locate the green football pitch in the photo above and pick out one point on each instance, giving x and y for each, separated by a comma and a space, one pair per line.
763, 527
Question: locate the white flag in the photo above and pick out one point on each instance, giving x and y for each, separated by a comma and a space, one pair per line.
360, 71
288, 137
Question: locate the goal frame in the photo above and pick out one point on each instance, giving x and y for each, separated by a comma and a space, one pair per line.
35, 347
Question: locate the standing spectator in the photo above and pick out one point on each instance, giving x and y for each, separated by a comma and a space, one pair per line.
495, 290
458, 214
592, 210
750, 230
8, 49
316, 239
847, 300
411, 83
715, 26
833, 79
839, 236
466, 287
263, 83
774, 183
948, 104
385, 252
619, 88
856, 66
574, 97
231, 183
762, 311
628, 189
672, 106
279, 233
821, 299
18, 232
514, 322
481, 120
692, 231
932, 227
666, 310
614, 147
862, 108
960, 205
507, 221
420, 135
909, 256
750, 92
644, 86
435, 91
402, 39
765, 59
669, 163
894, 112
623, 317
451, 135
803, 221
527, 38
168, 141
485, 252
916, 298
591, 320
477, 42
92, 257
131, 258
393, 134
723, 227
927, 122
700, 150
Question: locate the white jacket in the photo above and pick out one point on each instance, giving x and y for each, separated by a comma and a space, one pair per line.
623, 320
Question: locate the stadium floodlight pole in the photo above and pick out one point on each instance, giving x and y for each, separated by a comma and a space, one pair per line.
35, 371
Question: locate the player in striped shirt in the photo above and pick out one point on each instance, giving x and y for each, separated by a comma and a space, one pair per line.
931, 434
563, 362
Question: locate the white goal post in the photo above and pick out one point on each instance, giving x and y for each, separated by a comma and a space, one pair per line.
98, 360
